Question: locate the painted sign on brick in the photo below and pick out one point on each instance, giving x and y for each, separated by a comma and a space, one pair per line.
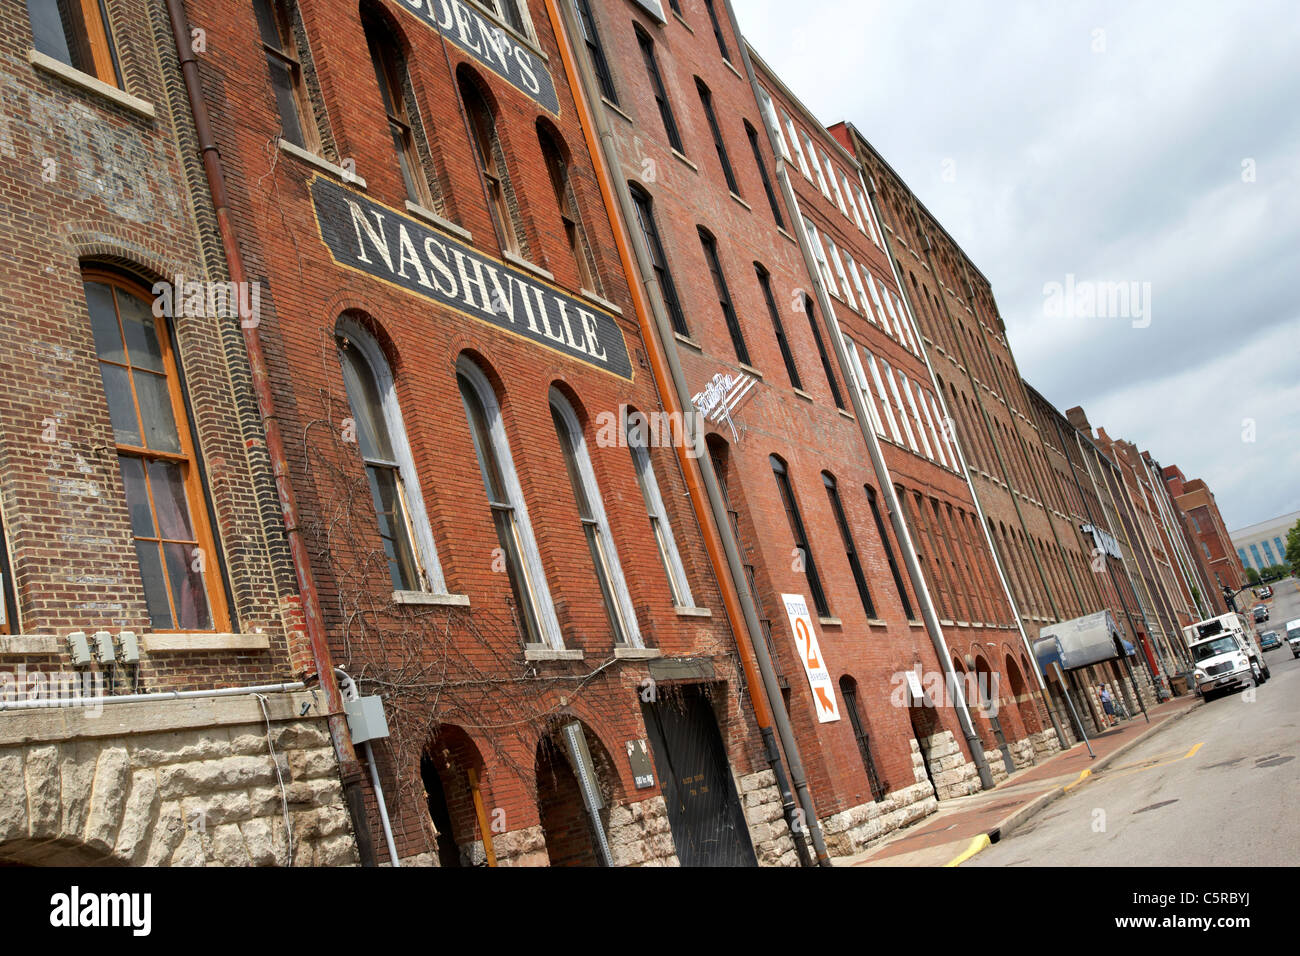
364, 235
489, 44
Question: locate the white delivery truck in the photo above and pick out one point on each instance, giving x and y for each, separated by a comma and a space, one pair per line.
1225, 653
1293, 636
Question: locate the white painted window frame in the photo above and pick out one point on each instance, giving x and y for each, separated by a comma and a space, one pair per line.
587, 475
361, 340
487, 396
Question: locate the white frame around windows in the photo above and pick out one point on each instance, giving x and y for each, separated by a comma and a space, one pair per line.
880, 309
798, 147
493, 9
543, 606
811, 149
853, 205
888, 371
916, 413
863, 385
948, 432
667, 543
768, 109
884, 398
591, 488
837, 260
934, 432
417, 517
819, 250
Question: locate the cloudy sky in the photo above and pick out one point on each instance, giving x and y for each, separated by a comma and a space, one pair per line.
1155, 143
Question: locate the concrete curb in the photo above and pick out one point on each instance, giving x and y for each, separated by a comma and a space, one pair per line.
1008, 824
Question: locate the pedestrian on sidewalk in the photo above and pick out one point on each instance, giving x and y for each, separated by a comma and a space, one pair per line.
1108, 705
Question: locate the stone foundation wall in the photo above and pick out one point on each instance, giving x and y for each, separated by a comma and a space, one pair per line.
1022, 752
773, 842
175, 783
639, 834
954, 775
1046, 743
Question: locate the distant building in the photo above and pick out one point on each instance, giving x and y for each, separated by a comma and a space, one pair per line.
1262, 545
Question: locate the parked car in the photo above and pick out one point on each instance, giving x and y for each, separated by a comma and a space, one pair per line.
1293, 636
1269, 640
1261, 614
1266, 592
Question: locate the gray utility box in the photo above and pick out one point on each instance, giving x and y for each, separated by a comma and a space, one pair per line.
366, 719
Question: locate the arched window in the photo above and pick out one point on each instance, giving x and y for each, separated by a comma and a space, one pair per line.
394, 485
557, 166
849, 691
283, 43
8, 596
729, 316
850, 549
535, 615
803, 553
889, 552
654, 247
635, 429
595, 524
179, 566
492, 163
398, 97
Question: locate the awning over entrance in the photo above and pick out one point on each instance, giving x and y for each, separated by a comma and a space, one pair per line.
1080, 642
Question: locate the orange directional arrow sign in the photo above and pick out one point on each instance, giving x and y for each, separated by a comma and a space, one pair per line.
810, 654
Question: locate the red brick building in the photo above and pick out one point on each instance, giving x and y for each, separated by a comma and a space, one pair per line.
142, 551
1213, 549
457, 361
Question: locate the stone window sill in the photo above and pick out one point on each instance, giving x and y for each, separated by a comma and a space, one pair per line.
523, 263
320, 162
876, 622
751, 370
426, 597
693, 612
610, 104
446, 225
687, 340
830, 622
682, 157
742, 202
600, 301
540, 653
636, 653
729, 66
683, 22
847, 415
786, 234
200, 643
93, 84
20, 645
802, 394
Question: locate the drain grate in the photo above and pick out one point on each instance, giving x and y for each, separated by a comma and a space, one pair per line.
1274, 761
1156, 806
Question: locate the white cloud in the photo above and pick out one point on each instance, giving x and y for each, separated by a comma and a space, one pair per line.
1115, 165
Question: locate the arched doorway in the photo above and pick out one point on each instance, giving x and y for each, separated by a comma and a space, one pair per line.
451, 770
568, 825
1025, 704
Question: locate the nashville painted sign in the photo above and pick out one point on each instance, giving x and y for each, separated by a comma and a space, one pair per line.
491, 45
382, 243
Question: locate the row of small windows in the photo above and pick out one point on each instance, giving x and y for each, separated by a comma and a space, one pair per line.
668, 290
284, 44
646, 45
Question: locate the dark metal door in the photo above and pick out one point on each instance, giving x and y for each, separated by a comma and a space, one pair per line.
704, 812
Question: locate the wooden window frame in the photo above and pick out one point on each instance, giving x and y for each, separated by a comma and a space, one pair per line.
644, 204
785, 488
647, 46
98, 37
391, 70
490, 153
196, 498
729, 316
289, 56
567, 200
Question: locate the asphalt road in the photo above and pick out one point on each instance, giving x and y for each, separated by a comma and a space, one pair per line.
1221, 787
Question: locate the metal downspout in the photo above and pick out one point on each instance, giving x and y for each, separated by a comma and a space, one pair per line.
349, 767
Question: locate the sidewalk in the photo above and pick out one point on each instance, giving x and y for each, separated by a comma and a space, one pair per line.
948, 834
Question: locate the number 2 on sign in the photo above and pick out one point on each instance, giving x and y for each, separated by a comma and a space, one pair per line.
805, 639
